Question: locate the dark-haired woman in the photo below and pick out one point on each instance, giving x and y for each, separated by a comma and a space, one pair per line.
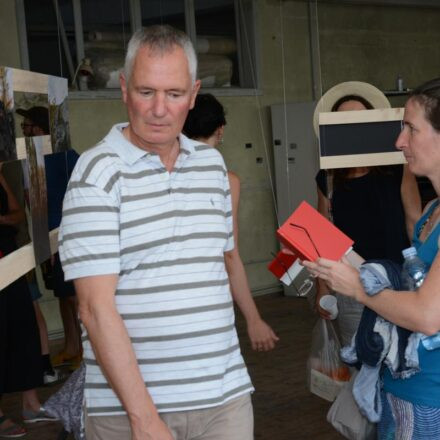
411, 407
375, 206
205, 123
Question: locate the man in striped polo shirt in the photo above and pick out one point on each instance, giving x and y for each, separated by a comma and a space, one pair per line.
146, 223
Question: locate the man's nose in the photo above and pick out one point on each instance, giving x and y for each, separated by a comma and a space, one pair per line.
159, 105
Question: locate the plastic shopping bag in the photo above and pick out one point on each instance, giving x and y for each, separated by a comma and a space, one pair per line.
327, 373
345, 417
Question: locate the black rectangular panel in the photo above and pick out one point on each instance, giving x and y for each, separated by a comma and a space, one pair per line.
359, 138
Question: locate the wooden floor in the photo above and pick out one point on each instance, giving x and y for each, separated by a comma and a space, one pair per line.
284, 409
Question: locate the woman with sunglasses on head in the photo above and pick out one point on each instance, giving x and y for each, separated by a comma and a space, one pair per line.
411, 407
206, 123
376, 207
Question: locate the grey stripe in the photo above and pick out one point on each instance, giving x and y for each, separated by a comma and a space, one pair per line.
93, 257
97, 233
204, 402
174, 239
169, 287
186, 358
175, 312
144, 173
90, 209
175, 337
202, 147
202, 169
73, 184
171, 214
113, 179
196, 403
169, 263
93, 162
228, 214
206, 190
164, 383
146, 196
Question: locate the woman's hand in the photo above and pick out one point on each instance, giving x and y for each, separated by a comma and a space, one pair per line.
340, 276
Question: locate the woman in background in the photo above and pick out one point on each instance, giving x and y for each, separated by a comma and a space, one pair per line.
376, 207
206, 123
21, 367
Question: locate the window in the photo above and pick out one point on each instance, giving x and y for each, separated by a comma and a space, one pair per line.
87, 42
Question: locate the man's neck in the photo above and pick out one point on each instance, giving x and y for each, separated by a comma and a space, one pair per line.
168, 153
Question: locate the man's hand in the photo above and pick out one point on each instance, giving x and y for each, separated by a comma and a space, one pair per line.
155, 429
262, 337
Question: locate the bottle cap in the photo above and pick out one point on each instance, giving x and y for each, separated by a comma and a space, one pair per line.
409, 252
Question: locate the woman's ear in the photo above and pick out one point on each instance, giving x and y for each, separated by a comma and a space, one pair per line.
219, 134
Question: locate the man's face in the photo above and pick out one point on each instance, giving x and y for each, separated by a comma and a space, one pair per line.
28, 127
158, 97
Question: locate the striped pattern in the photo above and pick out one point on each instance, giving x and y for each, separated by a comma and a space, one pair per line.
165, 235
404, 420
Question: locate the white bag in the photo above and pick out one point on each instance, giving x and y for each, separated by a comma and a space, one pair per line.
345, 417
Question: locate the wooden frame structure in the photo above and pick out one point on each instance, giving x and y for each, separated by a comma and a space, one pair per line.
360, 138
22, 260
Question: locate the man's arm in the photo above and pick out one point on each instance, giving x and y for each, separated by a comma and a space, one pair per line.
260, 333
115, 355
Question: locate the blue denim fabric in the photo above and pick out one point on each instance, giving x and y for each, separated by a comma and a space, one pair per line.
379, 342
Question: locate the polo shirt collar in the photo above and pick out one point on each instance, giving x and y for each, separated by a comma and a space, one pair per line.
130, 153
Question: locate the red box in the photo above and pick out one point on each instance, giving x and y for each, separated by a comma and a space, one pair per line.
310, 235
281, 263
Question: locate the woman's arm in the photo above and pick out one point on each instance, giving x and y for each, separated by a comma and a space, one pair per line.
261, 335
416, 311
15, 213
412, 204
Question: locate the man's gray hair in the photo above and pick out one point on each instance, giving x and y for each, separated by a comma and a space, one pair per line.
160, 39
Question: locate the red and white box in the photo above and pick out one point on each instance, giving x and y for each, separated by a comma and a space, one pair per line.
286, 267
310, 235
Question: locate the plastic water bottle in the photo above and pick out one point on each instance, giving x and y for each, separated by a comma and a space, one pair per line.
413, 274
414, 270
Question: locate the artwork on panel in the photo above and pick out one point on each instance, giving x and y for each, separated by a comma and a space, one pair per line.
58, 113
33, 114
33, 126
35, 186
7, 129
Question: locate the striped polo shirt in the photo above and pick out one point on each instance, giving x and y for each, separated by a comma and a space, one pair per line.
164, 233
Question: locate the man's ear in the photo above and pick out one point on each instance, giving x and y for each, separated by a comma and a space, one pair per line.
124, 85
195, 90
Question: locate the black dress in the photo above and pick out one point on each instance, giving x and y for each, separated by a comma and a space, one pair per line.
369, 210
20, 351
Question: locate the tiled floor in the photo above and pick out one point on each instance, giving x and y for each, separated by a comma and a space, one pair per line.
284, 408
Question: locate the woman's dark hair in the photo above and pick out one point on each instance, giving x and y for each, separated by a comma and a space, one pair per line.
206, 116
367, 104
340, 175
428, 96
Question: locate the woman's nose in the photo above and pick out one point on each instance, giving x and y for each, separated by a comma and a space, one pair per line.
401, 141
